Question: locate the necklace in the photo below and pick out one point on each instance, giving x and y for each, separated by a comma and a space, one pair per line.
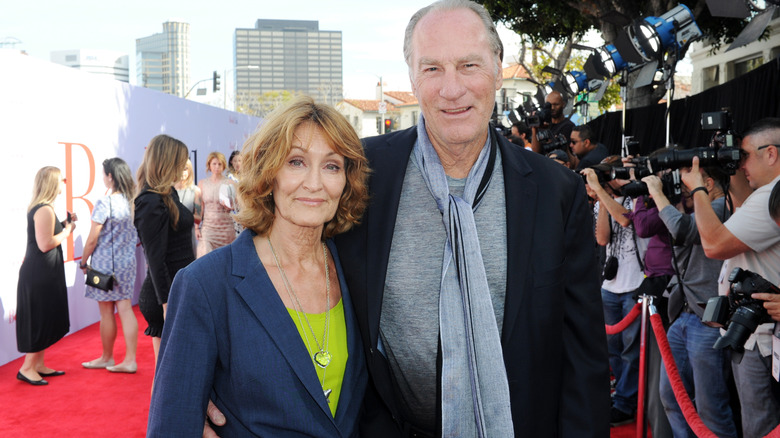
322, 357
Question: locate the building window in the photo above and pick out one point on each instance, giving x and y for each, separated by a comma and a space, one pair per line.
742, 67
710, 77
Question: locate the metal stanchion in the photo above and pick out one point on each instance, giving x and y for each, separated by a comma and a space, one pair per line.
641, 420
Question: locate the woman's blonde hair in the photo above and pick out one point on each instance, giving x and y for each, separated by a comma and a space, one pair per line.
265, 152
46, 186
219, 156
162, 165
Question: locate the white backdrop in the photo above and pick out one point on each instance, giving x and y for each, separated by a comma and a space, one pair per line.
59, 116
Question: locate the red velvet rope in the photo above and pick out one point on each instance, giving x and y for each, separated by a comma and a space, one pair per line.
680, 394
619, 327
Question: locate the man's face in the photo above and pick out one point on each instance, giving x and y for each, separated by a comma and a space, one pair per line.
578, 146
754, 160
454, 76
556, 100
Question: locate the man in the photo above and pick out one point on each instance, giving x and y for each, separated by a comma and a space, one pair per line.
534, 258
586, 148
616, 231
520, 134
704, 370
457, 211
750, 240
559, 123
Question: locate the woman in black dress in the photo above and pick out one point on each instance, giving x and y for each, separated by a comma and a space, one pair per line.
164, 227
42, 296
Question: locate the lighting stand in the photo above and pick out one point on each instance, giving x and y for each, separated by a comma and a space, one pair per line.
623, 82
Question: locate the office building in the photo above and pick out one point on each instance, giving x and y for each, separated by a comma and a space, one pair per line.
163, 59
290, 55
106, 63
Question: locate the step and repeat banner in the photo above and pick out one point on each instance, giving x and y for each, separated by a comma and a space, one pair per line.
52, 115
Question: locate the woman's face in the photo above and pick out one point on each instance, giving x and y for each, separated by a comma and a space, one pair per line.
108, 181
215, 166
237, 163
185, 173
308, 188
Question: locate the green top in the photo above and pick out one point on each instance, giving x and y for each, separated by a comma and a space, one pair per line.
336, 344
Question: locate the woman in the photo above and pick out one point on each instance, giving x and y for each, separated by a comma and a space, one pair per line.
216, 228
164, 227
41, 295
111, 244
234, 167
265, 325
189, 196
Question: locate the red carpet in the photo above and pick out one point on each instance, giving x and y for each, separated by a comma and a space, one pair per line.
82, 403
93, 403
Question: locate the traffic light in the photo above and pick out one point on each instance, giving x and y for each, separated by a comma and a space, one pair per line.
388, 125
215, 82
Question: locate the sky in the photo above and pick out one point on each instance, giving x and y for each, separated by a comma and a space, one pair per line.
372, 32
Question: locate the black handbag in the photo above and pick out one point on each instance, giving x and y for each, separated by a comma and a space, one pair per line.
96, 278
99, 280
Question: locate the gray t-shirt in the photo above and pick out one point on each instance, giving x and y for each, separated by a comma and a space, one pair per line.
409, 322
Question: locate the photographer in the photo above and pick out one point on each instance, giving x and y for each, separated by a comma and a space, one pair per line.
558, 123
704, 371
520, 134
622, 276
749, 239
586, 148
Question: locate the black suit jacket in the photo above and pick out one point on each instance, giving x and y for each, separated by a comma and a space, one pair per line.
553, 338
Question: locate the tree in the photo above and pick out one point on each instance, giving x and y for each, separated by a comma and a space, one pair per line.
260, 105
565, 21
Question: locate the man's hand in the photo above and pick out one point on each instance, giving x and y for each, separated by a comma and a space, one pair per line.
591, 178
771, 304
216, 417
654, 186
691, 177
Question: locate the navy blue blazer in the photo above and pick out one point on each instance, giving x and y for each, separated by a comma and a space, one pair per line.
229, 338
553, 337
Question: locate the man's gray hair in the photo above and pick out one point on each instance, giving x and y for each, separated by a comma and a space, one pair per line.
450, 5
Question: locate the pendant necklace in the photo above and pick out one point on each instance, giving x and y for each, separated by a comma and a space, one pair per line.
322, 357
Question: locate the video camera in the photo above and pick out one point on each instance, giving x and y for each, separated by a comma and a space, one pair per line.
737, 312
543, 115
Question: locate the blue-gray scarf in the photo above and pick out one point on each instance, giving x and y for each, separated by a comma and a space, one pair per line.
475, 391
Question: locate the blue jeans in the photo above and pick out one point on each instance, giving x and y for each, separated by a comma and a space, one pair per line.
623, 349
704, 372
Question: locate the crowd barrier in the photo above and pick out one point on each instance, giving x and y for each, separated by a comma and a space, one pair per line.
644, 308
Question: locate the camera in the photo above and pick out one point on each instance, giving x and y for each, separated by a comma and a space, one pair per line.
738, 313
670, 185
720, 122
551, 142
722, 151
540, 116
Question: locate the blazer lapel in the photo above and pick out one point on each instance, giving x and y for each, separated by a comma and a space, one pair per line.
259, 294
388, 162
354, 374
521, 203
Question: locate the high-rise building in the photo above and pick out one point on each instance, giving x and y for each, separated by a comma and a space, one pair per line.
107, 63
163, 59
288, 55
